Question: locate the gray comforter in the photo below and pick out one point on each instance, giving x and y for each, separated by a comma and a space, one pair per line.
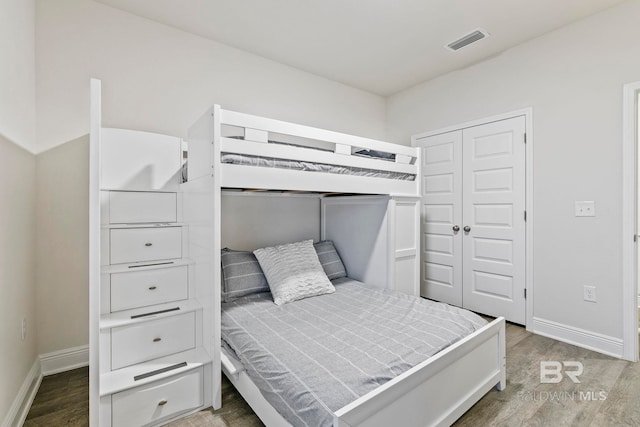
313, 356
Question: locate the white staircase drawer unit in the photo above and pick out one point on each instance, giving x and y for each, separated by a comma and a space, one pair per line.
149, 340
145, 244
141, 207
148, 287
158, 401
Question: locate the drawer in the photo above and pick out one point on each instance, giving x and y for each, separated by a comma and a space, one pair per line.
149, 340
145, 244
140, 207
147, 287
158, 401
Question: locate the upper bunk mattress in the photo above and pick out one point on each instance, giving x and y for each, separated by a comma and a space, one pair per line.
269, 162
311, 357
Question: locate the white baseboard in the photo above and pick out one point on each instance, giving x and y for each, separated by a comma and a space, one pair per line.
23, 400
580, 337
45, 364
64, 360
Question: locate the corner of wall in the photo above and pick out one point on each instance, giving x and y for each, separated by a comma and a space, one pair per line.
24, 398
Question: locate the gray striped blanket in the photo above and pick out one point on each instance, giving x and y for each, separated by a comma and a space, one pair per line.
311, 357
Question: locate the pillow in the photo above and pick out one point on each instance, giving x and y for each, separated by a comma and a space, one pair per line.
377, 154
293, 271
241, 274
330, 260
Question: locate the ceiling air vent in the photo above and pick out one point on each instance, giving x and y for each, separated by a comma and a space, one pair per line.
472, 37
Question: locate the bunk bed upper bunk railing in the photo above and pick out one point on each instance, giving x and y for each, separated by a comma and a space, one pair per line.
260, 153
259, 126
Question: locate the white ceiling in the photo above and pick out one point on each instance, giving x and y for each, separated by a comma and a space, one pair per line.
382, 46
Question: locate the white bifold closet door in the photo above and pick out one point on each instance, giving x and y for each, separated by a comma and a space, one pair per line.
473, 218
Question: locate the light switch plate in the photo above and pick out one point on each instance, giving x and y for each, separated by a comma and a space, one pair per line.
585, 208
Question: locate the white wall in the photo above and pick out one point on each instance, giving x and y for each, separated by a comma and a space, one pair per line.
62, 256
17, 200
159, 79
254, 221
573, 79
17, 88
154, 78
17, 270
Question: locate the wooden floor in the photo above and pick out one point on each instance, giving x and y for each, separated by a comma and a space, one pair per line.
63, 398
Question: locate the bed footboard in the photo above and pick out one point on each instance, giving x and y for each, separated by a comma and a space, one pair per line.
434, 393
439, 390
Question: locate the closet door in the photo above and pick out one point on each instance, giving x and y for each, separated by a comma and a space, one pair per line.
442, 218
493, 219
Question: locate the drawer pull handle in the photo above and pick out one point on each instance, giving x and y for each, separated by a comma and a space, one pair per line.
152, 288
162, 402
153, 313
148, 244
157, 339
150, 265
160, 371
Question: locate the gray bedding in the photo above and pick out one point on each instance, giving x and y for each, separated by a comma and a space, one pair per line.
313, 356
268, 162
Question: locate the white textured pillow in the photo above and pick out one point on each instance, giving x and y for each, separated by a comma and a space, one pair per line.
293, 271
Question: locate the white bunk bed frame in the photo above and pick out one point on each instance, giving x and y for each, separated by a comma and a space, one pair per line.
435, 392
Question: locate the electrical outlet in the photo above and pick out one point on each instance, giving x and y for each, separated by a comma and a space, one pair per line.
590, 293
24, 328
586, 208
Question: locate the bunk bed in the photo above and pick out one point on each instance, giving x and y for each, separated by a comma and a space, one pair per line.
229, 154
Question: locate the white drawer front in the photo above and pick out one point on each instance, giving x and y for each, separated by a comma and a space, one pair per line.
147, 287
159, 400
149, 340
135, 207
145, 244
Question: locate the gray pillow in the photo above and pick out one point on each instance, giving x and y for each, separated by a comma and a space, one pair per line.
241, 274
293, 271
330, 260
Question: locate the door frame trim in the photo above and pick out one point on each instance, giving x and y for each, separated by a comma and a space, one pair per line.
528, 115
629, 221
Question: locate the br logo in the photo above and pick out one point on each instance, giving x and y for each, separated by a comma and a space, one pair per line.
551, 371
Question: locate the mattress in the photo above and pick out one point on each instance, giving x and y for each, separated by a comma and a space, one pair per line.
311, 357
269, 162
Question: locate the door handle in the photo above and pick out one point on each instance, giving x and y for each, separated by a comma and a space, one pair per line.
456, 228
467, 229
